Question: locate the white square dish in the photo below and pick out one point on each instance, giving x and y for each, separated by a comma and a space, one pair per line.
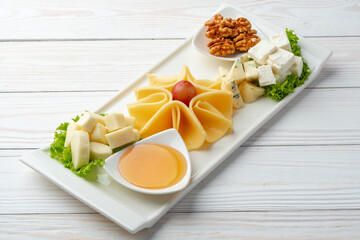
135, 211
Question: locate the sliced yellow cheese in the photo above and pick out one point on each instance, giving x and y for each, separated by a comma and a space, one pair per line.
69, 132
160, 81
114, 121
80, 149
214, 110
98, 134
150, 100
87, 121
176, 115
120, 137
99, 150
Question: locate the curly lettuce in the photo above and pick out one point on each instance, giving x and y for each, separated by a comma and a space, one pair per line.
279, 90
63, 154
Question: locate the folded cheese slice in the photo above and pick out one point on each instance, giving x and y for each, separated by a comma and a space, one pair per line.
149, 101
213, 110
176, 114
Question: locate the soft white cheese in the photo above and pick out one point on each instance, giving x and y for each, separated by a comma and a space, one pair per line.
244, 58
281, 61
297, 68
281, 40
98, 134
266, 76
99, 150
282, 78
87, 121
120, 137
261, 51
114, 121
80, 149
251, 72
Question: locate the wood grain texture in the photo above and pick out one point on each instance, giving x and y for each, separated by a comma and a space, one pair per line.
110, 65
82, 19
317, 225
329, 116
251, 179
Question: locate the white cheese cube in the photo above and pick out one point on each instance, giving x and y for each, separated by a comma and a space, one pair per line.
251, 72
87, 121
282, 78
261, 51
80, 149
130, 121
297, 68
69, 133
281, 40
99, 150
114, 121
244, 58
236, 72
120, 137
266, 76
281, 61
137, 134
98, 134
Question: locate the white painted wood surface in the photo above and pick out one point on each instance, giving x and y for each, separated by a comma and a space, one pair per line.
294, 179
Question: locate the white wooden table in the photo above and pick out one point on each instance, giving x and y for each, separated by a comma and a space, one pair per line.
296, 178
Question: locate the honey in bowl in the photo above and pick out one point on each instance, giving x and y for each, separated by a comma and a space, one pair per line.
152, 166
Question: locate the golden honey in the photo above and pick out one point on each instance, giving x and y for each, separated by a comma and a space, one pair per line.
152, 166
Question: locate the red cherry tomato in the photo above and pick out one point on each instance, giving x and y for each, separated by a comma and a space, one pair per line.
183, 91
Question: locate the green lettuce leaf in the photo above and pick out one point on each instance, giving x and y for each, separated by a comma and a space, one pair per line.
63, 154
279, 90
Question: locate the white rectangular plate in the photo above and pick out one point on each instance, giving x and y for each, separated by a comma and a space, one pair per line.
135, 211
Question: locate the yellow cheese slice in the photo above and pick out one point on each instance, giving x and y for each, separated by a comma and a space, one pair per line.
213, 110
150, 100
176, 115
159, 81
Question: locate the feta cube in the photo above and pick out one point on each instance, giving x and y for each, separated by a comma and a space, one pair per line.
281, 40
120, 137
281, 61
261, 51
297, 68
282, 78
266, 76
251, 72
114, 121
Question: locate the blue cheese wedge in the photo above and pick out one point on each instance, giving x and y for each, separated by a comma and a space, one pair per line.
80, 149
281, 61
251, 72
222, 73
261, 51
297, 68
280, 40
266, 76
236, 72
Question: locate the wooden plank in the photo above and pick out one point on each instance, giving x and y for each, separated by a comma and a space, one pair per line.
327, 117
163, 19
251, 179
106, 65
319, 225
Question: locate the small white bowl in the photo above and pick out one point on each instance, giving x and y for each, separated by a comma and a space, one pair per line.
169, 137
200, 40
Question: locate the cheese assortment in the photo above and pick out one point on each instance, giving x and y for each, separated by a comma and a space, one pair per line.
94, 136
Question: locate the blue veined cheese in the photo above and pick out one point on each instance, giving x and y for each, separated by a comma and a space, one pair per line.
222, 72
236, 72
251, 72
266, 76
232, 86
281, 61
261, 51
281, 40
297, 68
